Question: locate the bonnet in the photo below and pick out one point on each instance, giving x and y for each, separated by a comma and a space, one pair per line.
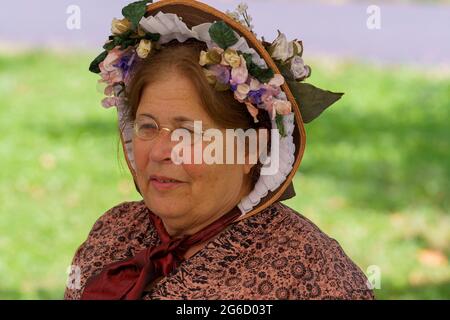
262, 75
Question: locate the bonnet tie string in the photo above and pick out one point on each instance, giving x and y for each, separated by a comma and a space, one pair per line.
127, 279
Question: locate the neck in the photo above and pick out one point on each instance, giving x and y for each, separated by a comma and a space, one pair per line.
175, 230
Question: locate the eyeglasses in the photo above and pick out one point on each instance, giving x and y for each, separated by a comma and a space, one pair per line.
146, 128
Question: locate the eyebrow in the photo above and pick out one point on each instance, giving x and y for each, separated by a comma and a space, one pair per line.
177, 119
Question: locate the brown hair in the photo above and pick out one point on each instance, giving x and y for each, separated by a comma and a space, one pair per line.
221, 106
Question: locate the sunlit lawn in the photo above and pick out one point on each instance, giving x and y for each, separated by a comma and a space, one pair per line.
375, 174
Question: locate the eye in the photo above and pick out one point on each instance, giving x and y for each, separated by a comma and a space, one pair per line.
146, 128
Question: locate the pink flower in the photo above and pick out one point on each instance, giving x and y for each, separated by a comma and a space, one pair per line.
239, 75
271, 90
108, 71
282, 107
113, 102
109, 90
299, 70
277, 80
253, 111
268, 104
222, 73
112, 58
110, 102
111, 77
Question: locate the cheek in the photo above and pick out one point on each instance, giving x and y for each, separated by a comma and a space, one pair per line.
140, 151
198, 173
209, 179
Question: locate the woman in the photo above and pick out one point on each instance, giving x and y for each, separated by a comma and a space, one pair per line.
208, 229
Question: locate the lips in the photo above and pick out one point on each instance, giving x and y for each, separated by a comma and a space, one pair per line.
162, 183
163, 179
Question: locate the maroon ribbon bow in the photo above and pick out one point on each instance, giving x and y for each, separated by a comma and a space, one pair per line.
127, 279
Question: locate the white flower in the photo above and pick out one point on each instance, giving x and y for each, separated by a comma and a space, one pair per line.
144, 48
298, 68
119, 27
240, 15
296, 47
254, 84
203, 58
280, 48
241, 92
242, 8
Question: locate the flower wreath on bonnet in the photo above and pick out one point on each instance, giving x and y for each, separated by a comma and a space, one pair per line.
229, 64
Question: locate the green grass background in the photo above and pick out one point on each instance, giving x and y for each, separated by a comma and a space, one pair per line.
375, 174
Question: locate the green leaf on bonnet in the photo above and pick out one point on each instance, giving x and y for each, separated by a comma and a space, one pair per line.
135, 11
152, 36
125, 40
110, 45
262, 74
285, 70
312, 101
94, 64
127, 43
280, 125
222, 34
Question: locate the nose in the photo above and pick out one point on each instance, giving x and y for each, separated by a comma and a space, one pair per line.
161, 147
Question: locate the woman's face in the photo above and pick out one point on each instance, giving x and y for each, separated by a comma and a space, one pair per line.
205, 191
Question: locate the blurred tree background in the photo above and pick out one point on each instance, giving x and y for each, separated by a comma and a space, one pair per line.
375, 174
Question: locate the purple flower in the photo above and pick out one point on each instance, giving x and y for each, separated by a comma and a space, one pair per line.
255, 96
125, 63
221, 72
